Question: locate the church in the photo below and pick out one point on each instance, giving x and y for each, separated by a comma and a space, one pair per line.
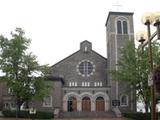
81, 85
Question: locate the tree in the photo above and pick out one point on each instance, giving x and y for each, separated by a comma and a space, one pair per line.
22, 73
133, 68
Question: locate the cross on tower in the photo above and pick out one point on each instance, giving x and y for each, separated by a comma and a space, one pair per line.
117, 5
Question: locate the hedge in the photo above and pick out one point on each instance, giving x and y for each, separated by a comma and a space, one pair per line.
139, 115
25, 114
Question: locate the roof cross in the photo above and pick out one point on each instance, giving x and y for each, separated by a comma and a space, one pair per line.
117, 5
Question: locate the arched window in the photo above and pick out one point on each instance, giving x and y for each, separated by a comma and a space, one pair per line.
122, 27
124, 100
125, 30
119, 27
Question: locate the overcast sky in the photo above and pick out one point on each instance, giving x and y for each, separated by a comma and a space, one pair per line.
57, 27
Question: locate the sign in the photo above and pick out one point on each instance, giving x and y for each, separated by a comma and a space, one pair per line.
150, 79
115, 102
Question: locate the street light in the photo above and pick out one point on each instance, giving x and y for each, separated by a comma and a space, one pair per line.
148, 19
141, 36
156, 23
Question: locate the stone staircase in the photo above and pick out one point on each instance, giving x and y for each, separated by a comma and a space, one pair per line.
108, 114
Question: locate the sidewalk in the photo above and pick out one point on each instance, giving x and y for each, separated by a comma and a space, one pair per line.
70, 119
94, 119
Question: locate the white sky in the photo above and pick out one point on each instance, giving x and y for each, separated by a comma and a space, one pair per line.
57, 27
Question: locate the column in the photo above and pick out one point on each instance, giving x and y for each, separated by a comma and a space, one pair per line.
65, 106
93, 105
106, 107
79, 105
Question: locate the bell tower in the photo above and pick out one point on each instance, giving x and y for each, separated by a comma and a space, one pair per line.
119, 29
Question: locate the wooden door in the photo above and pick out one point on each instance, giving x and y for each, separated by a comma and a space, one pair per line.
100, 104
72, 104
86, 104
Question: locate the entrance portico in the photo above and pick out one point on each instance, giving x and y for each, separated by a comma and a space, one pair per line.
86, 101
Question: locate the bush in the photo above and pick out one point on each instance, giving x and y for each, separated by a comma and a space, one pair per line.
138, 116
44, 115
25, 114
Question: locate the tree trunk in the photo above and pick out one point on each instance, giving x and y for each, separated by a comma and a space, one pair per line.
19, 102
146, 109
27, 104
146, 106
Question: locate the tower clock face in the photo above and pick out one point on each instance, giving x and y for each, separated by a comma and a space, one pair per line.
85, 68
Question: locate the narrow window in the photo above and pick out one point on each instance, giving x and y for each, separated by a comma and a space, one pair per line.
88, 84
10, 90
75, 84
119, 27
124, 100
85, 84
100, 83
82, 83
125, 30
72, 83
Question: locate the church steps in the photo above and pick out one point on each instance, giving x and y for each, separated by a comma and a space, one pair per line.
108, 114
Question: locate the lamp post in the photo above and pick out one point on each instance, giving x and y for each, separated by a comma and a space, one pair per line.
148, 19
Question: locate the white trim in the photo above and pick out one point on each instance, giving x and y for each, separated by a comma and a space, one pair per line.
84, 94
83, 75
122, 18
65, 98
116, 60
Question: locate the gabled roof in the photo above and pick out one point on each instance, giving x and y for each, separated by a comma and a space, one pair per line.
65, 58
79, 51
99, 55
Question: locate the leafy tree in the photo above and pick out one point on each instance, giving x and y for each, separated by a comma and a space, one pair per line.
22, 73
133, 68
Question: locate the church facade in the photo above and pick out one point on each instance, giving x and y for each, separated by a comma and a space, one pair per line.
80, 81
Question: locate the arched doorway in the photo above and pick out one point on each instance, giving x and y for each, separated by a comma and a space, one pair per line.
72, 104
86, 104
100, 104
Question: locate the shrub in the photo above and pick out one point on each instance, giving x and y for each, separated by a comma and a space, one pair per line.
44, 115
139, 116
25, 114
